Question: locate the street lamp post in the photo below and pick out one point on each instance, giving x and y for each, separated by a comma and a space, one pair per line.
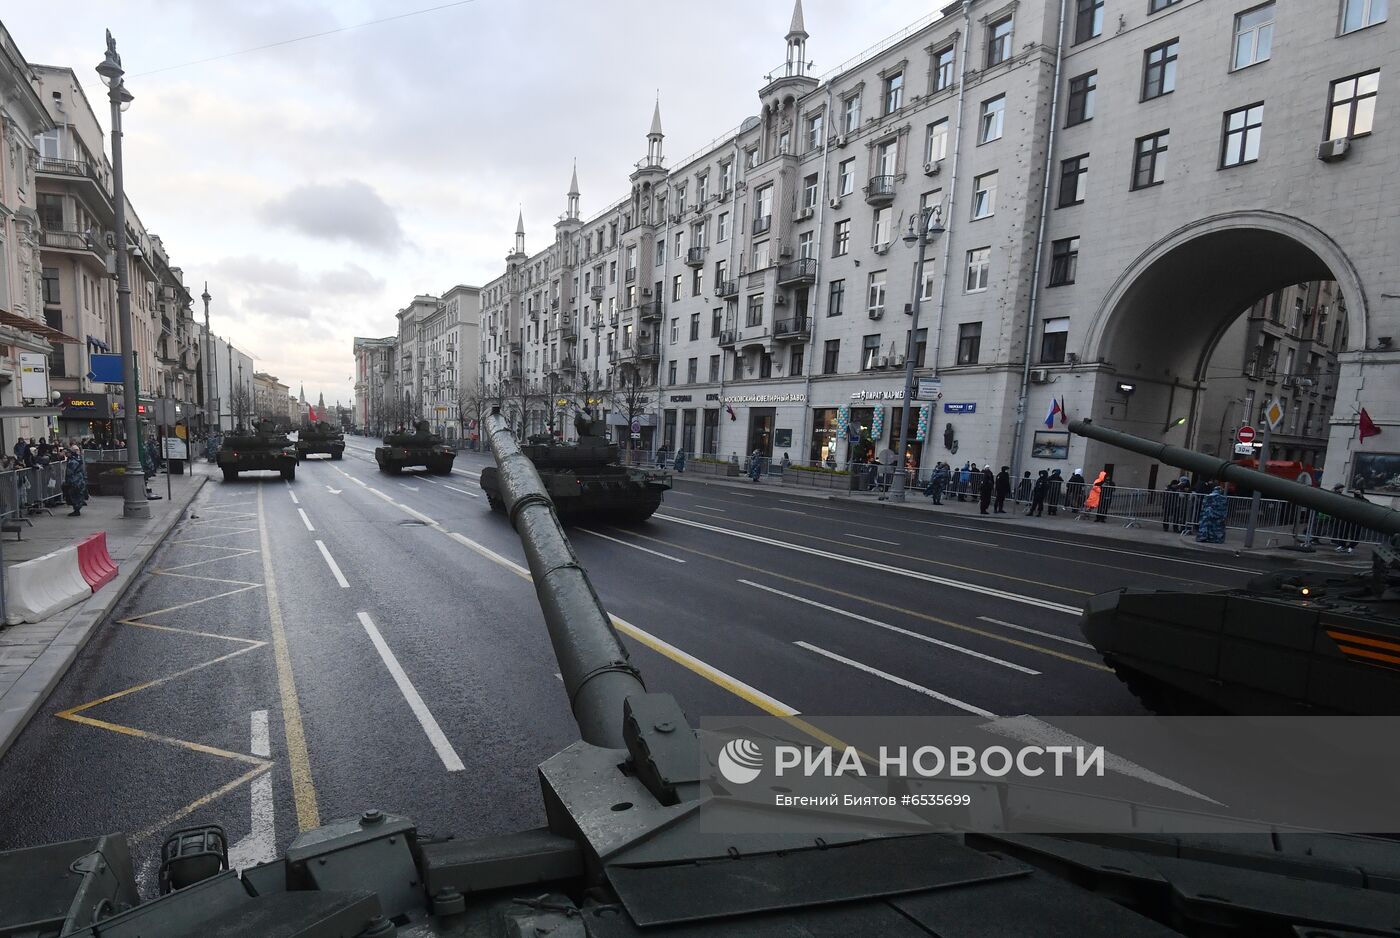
211, 363
134, 504
923, 231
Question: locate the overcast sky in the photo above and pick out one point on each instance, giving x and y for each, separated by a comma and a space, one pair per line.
319, 185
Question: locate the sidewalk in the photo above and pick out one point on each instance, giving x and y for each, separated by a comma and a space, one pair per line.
1112, 531
35, 656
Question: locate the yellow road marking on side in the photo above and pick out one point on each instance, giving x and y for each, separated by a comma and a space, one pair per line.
206, 537
196, 602
198, 563
71, 712
171, 628
895, 553
156, 737
303, 790
206, 579
875, 602
200, 802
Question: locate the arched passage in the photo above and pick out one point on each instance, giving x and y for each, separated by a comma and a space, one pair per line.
1160, 321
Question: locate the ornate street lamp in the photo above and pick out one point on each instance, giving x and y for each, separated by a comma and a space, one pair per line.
924, 229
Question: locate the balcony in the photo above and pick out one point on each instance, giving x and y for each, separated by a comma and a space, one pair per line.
763, 222
728, 337
728, 288
630, 275
880, 191
64, 167
515, 348
695, 257
568, 364
595, 293
651, 311
554, 303
66, 241
640, 352
514, 371
799, 272
612, 320
795, 327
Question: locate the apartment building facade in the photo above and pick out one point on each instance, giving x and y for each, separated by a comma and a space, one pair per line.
376, 384
1111, 195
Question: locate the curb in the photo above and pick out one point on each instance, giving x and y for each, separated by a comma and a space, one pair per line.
48, 669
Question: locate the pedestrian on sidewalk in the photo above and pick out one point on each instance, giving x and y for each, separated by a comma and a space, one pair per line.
1095, 496
1038, 490
988, 484
1074, 491
75, 490
755, 464
661, 457
680, 459
937, 482
1053, 485
1213, 508
1003, 489
964, 478
1105, 496
1024, 488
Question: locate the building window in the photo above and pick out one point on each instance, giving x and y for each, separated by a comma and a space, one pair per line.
851, 114
721, 272
1081, 98
920, 346
806, 245
881, 227
1157, 6
671, 375
1358, 14
846, 177
984, 196
875, 293
755, 311
1353, 105
1159, 70
796, 361
943, 60
1088, 20
716, 323
870, 352
694, 326
841, 243
993, 115
809, 191
836, 302
751, 157
675, 288
1053, 339
1254, 35
760, 255
831, 356
1243, 129
969, 342
887, 158
979, 263
692, 370
1150, 160
763, 210
999, 41
937, 145
1064, 261
724, 226
894, 92
814, 132
1074, 180
697, 277
51, 294
702, 190
714, 367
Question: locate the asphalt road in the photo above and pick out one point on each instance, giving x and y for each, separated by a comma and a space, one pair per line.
301, 652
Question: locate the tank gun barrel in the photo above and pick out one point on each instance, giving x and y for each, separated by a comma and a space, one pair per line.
1366, 514
595, 667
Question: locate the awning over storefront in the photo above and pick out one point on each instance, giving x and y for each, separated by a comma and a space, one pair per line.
34, 327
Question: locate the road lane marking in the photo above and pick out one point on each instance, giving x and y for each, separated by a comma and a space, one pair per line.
893, 679
335, 568
450, 760
463, 491
883, 567
618, 540
1065, 656
965, 540
294, 497
894, 628
711, 508
333, 491
786, 501
1049, 635
416, 513
260, 843
411, 488
305, 520
427, 480
298, 760
877, 540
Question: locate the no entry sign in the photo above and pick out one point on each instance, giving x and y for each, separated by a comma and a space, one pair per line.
1245, 434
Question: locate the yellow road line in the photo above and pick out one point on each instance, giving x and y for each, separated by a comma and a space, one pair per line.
171, 628
299, 761
71, 712
1031, 646
196, 602
156, 737
197, 563
207, 579
205, 537
200, 802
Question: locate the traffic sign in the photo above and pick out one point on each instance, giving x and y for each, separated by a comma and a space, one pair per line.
1273, 415
1245, 434
636, 426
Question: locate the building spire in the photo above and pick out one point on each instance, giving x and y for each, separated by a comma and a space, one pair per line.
520, 232
797, 28
571, 213
573, 181
796, 44
654, 135
656, 120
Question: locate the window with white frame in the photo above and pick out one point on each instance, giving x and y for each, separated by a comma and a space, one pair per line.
999, 41
989, 127
1358, 14
851, 113
936, 146
886, 157
723, 226
809, 191
875, 292
806, 245
846, 177
760, 256
943, 64
814, 132
881, 227
979, 264
894, 92
1254, 36
984, 195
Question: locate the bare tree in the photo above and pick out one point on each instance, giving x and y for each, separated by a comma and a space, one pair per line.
474, 402
632, 395
240, 404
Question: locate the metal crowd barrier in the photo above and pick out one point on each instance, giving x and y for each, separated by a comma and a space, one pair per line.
32, 490
105, 455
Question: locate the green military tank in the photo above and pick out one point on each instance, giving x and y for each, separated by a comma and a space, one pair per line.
1298, 641
587, 479
422, 447
320, 438
265, 447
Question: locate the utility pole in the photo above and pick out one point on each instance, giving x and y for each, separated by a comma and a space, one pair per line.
211, 380
922, 231
134, 504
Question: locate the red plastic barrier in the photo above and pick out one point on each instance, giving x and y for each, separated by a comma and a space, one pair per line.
94, 562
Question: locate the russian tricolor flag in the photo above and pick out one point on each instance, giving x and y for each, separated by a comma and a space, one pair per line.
1055, 408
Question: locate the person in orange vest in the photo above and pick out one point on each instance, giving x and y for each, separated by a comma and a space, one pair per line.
1095, 502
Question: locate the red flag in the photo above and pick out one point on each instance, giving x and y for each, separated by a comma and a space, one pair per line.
1064, 414
311, 413
1368, 426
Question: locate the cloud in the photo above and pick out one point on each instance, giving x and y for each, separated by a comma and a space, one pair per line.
348, 211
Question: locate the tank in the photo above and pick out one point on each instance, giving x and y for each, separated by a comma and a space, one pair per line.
265, 447
422, 447
1301, 641
320, 438
628, 847
587, 479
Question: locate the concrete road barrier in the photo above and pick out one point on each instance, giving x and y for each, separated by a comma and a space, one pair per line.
39, 588
94, 563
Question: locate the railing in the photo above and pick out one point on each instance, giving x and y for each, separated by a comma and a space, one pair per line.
880, 190
65, 240
728, 288
651, 310
554, 302
728, 337
762, 223
630, 275
28, 491
794, 326
802, 270
695, 257
596, 292
48, 164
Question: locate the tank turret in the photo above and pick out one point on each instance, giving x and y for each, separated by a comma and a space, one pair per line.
421, 447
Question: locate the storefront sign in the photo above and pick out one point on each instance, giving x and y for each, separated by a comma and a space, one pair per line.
964, 408
34, 376
766, 399
896, 395
929, 389
680, 398
85, 406
712, 396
